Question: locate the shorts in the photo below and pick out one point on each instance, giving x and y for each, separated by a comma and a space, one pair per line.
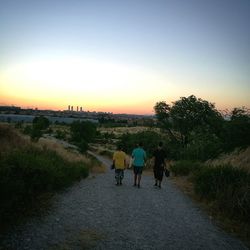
119, 174
137, 170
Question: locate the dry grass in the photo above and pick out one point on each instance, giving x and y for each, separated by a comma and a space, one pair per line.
185, 185
118, 131
238, 158
10, 139
66, 153
98, 169
72, 155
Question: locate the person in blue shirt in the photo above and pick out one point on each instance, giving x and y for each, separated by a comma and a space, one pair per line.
139, 159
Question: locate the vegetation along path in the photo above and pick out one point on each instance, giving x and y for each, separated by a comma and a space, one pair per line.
96, 214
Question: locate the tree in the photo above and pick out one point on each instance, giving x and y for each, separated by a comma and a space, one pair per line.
162, 111
190, 113
187, 115
40, 122
237, 129
82, 131
149, 139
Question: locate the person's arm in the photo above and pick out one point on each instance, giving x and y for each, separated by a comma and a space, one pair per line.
133, 154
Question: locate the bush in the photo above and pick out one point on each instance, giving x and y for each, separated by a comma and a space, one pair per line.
61, 135
82, 146
185, 167
229, 187
40, 122
28, 172
149, 139
82, 131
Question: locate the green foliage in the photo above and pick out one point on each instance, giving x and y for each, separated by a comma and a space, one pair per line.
149, 139
27, 130
35, 134
26, 172
83, 146
229, 187
40, 123
19, 124
185, 167
190, 113
162, 111
237, 131
202, 146
60, 134
198, 131
83, 131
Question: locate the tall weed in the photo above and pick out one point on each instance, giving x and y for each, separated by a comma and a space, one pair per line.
185, 167
29, 171
227, 186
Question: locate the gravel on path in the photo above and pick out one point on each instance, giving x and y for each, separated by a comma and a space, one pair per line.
96, 214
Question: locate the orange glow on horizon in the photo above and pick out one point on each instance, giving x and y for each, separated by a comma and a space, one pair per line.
143, 109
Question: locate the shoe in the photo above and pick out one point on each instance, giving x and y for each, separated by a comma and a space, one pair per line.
155, 184
138, 185
159, 186
117, 184
134, 185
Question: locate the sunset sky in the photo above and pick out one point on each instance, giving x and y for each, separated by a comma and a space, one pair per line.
124, 56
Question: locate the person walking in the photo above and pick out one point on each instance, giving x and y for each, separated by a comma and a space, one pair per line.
139, 159
159, 164
119, 161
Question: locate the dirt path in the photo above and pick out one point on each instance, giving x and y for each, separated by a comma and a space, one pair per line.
96, 214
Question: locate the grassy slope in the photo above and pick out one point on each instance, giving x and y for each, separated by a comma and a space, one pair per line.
30, 170
238, 159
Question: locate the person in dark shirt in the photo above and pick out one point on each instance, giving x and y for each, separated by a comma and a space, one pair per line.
159, 164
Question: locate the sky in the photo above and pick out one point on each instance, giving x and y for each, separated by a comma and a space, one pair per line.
124, 56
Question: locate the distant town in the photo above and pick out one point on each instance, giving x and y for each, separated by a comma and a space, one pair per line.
18, 114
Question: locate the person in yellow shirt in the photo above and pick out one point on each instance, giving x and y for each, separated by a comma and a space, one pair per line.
119, 161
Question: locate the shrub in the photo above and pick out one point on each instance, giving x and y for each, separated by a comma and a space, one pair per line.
40, 122
61, 135
229, 187
82, 131
82, 146
149, 139
185, 167
27, 172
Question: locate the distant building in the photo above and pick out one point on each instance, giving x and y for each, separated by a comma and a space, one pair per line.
72, 108
69, 108
77, 108
81, 109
